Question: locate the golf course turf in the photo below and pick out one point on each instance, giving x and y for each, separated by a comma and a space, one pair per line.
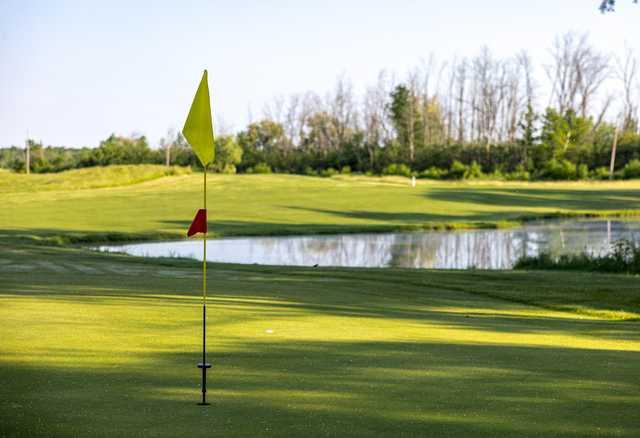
106, 345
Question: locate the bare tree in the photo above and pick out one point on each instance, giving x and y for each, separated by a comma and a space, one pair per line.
488, 79
526, 67
221, 126
167, 142
460, 74
604, 107
374, 116
627, 74
412, 116
593, 70
450, 101
427, 97
576, 73
342, 108
275, 109
292, 119
309, 105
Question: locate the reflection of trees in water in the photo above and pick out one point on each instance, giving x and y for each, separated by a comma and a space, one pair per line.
482, 249
593, 237
350, 250
415, 250
485, 249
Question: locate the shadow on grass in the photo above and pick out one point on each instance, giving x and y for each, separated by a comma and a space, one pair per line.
249, 228
489, 382
427, 220
448, 299
61, 237
313, 388
499, 319
579, 199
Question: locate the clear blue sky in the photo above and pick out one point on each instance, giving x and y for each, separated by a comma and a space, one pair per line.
72, 72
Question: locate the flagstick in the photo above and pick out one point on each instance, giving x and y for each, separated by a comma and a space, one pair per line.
204, 365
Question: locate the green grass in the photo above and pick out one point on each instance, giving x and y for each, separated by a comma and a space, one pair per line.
105, 345
88, 178
283, 204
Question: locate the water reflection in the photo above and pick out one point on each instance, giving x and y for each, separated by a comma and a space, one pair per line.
483, 249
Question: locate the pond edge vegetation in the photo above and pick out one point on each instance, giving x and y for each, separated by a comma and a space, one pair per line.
624, 258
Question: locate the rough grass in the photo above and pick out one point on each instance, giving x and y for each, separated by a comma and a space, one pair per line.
106, 345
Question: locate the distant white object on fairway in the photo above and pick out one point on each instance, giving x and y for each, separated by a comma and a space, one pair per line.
269, 331
413, 181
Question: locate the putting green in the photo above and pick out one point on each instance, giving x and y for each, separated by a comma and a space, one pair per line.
328, 352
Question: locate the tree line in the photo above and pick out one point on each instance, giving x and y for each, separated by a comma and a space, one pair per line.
469, 117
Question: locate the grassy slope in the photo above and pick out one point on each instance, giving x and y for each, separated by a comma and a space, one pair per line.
106, 345
280, 204
89, 178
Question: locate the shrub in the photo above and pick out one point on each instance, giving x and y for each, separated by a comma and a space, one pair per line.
600, 173
228, 169
474, 171
346, 170
259, 168
433, 173
496, 175
520, 174
397, 169
558, 169
328, 172
17, 165
457, 170
631, 170
582, 171
310, 171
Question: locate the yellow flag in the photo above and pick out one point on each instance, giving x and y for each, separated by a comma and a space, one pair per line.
198, 129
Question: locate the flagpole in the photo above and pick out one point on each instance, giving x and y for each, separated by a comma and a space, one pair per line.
204, 365
198, 131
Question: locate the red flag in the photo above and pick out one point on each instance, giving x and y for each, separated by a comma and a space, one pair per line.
199, 224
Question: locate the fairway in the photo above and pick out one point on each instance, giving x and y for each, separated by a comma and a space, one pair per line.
106, 345
109, 206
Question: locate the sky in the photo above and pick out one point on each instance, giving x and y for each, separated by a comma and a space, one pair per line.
73, 72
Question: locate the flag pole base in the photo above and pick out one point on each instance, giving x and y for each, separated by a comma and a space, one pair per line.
204, 367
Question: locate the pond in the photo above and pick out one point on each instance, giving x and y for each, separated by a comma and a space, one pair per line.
482, 249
